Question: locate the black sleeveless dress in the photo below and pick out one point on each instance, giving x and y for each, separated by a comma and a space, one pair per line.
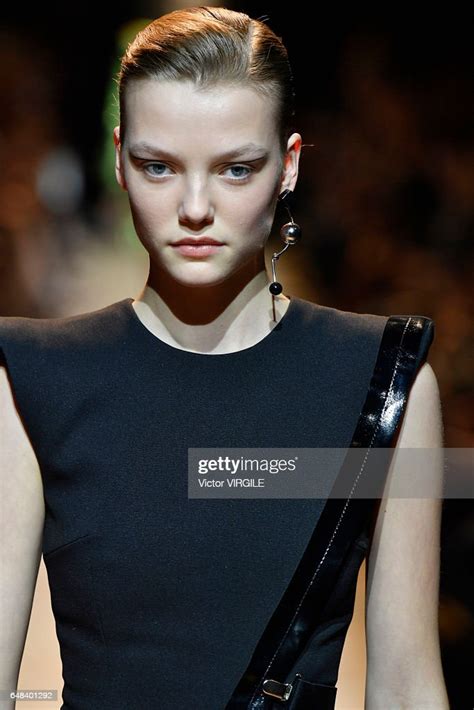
167, 602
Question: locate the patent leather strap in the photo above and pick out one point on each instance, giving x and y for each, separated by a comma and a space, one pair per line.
404, 344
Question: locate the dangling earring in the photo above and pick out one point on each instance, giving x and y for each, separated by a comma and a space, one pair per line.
291, 234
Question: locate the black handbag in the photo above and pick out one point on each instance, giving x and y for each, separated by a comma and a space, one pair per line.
273, 679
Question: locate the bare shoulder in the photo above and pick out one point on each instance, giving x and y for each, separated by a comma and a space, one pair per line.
402, 572
422, 424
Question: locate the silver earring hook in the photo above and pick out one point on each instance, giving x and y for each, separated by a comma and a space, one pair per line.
283, 198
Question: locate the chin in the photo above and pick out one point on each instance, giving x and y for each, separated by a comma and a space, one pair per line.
193, 279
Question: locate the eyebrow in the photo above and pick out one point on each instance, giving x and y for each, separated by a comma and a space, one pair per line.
234, 153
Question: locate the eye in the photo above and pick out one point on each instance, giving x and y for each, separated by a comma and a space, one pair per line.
152, 173
242, 177
155, 170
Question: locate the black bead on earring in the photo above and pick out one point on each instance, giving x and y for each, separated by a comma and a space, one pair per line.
291, 234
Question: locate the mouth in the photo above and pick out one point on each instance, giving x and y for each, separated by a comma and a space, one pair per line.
197, 241
198, 247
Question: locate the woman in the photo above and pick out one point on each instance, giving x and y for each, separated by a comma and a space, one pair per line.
164, 600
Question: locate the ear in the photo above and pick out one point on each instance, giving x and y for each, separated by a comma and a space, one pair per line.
119, 173
291, 162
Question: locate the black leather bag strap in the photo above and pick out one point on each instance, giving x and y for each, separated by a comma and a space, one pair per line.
403, 347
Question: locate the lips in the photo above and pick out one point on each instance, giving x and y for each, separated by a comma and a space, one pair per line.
197, 248
197, 241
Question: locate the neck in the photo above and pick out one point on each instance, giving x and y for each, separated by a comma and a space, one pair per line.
221, 318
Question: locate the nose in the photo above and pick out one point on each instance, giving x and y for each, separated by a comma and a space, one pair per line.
196, 207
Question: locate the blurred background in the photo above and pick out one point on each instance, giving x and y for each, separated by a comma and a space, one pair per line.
384, 197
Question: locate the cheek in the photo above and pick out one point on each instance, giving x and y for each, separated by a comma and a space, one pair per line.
257, 206
143, 200
145, 208
147, 219
257, 218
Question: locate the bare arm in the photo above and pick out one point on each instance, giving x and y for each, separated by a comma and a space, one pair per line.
403, 656
21, 529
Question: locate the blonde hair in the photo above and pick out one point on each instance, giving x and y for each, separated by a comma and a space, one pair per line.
212, 46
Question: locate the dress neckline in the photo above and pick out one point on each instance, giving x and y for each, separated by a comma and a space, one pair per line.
268, 341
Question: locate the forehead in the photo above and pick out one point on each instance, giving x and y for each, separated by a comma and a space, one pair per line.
183, 115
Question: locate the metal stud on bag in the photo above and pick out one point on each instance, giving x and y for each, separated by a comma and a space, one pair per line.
275, 689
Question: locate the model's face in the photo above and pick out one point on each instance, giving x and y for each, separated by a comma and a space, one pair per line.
181, 184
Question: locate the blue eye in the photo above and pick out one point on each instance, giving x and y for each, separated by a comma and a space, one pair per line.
153, 170
154, 174
240, 167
